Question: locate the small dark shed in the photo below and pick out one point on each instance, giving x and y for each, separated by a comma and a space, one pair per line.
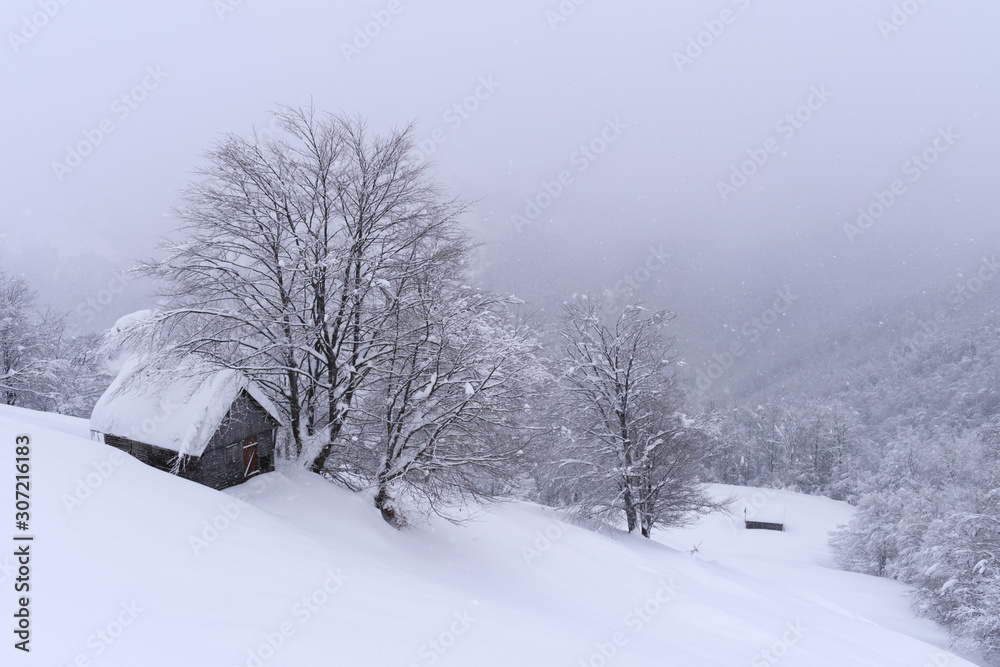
764, 525
213, 427
771, 517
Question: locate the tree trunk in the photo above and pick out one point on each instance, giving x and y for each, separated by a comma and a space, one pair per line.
383, 502
631, 516
319, 463
295, 411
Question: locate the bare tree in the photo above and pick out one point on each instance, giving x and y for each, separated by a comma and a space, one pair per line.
626, 447
385, 211
233, 284
448, 394
280, 266
29, 340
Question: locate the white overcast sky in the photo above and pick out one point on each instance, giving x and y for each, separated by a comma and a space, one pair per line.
555, 86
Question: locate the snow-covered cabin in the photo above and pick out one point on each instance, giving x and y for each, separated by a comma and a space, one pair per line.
212, 427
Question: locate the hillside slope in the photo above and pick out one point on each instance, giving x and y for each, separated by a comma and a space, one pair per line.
127, 569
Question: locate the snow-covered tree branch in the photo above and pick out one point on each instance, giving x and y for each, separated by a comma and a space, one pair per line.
625, 447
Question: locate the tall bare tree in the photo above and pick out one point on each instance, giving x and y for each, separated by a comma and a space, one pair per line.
448, 395
29, 340
626, 447
279, 268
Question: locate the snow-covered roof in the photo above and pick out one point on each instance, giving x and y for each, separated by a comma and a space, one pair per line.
131, 319
178, 409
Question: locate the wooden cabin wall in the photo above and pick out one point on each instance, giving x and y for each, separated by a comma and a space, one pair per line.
223, 467
157, 457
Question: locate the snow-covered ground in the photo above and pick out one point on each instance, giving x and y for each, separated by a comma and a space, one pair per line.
137, 568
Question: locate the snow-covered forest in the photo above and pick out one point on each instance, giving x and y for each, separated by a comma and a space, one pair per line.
326, 265
898, 415
640, 335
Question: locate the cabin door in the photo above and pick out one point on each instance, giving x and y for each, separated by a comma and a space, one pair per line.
251, 458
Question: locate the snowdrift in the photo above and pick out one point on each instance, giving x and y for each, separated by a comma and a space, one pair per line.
134, 567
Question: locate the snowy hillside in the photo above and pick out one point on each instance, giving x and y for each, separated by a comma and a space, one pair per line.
134, 567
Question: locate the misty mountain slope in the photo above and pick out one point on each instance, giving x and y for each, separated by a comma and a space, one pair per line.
923, 363
149, 569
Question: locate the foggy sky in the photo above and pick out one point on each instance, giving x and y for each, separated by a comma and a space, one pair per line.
168, 79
